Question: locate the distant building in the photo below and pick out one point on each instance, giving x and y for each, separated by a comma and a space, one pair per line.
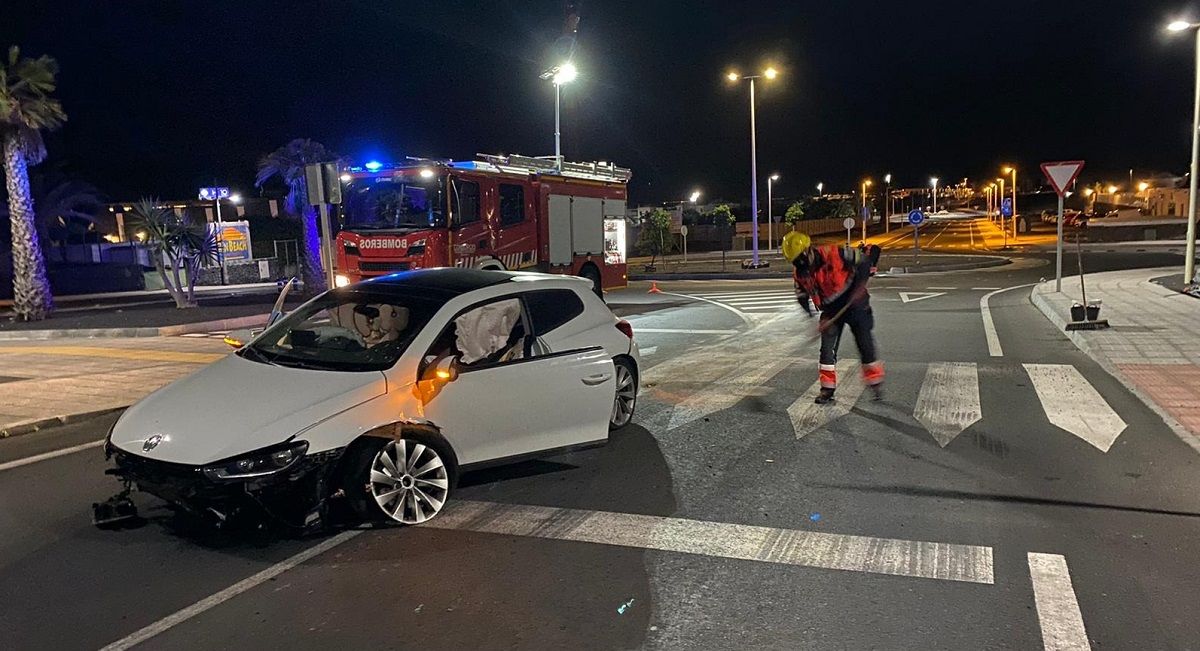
1167, 202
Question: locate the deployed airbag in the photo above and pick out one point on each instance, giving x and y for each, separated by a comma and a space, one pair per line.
484, 331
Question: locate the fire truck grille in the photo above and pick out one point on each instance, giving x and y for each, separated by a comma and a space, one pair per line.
364, 265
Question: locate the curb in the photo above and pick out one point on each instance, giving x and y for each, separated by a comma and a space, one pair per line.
147, 331
1080, 342
31, 426
752, 275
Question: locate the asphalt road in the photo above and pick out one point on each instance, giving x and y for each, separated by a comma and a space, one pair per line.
730, 515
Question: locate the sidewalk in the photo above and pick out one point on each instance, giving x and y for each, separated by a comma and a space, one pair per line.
48, 384
1153, 346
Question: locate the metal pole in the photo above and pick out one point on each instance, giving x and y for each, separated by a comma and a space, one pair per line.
753, 179
887, 210
1014, 197
1189, 260
864, 212
935, 198
220, 246
847, 237
327, 239
558, 126
1059, 248
770, 221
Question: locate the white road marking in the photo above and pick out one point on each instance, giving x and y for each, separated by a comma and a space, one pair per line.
741, 315
681, 331
910, 558
1073, 404
232, 591
807, 416
1057, 608
727, 391
948, 402
912, 297
989, 327
9, 465
941, 288
983, 289
649, 350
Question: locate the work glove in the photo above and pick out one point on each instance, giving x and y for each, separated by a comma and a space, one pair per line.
802, 299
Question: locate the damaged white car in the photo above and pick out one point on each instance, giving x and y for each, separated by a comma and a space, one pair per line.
380, 394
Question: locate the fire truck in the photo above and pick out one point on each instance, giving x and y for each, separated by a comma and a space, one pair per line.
497, 212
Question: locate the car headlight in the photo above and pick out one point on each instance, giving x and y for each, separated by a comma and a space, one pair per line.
351, 248
259, 463
341, 281
416, 248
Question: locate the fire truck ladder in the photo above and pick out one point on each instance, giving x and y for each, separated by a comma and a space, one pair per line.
597, 171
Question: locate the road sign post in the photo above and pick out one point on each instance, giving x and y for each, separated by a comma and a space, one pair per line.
916, 218
324, 187
848, 224
1061, 174
215, 194
1006, 211
683, 230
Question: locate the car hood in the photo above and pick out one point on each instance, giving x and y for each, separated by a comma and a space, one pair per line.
236, 406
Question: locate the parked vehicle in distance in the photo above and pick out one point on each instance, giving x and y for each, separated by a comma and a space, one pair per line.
381, 393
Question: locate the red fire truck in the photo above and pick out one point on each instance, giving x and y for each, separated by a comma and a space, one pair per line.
497, 212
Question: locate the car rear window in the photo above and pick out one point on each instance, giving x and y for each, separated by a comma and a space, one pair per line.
551, 308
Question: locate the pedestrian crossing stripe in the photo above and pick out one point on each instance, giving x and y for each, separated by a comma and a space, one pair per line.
947, 403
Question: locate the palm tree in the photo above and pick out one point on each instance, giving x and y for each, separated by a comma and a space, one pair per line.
288, 163
183, 243
26, 108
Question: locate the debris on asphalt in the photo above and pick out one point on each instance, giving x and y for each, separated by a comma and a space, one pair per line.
770, 461
418, 608
625, 606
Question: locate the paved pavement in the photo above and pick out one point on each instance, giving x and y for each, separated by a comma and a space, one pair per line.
1008, 493
1154, 341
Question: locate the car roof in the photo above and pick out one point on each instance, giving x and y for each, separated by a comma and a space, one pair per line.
450, 282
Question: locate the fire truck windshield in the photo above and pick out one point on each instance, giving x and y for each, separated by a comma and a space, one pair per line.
399, 203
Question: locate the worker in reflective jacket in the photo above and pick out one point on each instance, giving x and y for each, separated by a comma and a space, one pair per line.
835, 279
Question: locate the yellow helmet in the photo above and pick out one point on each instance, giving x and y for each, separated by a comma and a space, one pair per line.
794, 244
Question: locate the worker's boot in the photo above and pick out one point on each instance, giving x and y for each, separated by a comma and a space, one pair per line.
825, 396
877, 392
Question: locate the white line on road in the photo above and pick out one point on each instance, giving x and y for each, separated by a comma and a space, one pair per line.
1073, 404
949, 400
989, 327
741, 315
911, 297
1057, 609
983, 289
680, 331
228, 593
748, 377
9, 465
929, 560
649, 350
941, 288
807, 416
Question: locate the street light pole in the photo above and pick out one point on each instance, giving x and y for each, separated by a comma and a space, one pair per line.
934, 181
865, 184
1189, 261
770, 221
1013, 169
559, 75
769, 73
887, 205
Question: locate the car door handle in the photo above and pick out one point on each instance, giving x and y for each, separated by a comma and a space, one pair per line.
593, 380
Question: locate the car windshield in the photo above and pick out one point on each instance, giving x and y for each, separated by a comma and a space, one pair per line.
394, 203
344, 330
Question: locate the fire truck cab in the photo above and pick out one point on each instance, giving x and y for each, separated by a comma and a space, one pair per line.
497, 212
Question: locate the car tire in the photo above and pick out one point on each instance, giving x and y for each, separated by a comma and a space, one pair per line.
625, 397
405, 480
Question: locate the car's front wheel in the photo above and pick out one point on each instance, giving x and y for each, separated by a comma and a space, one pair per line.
625, 399
407, 479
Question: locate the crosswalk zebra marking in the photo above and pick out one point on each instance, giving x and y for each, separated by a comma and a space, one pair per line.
948, 402
726, 392
807, 416
1073, 404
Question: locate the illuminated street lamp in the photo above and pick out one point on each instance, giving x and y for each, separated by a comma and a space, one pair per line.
820, 189
933, 182
1189, 259
733, 76
695, 196
865, 184
887, 204
559, 75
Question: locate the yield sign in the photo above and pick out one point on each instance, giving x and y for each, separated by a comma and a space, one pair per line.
1062, 173
909, 297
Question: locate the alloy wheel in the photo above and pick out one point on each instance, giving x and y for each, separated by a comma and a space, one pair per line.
626, 397
409, 481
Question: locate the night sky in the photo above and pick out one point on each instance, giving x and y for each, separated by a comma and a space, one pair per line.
166, 95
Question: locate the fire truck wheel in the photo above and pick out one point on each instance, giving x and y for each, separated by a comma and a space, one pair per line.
593, 274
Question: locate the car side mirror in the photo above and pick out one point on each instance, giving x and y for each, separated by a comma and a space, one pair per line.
239, 338
446, 370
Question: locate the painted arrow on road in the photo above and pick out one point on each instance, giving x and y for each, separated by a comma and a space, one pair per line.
1073, 404
949, 400
912, 297
808, 417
